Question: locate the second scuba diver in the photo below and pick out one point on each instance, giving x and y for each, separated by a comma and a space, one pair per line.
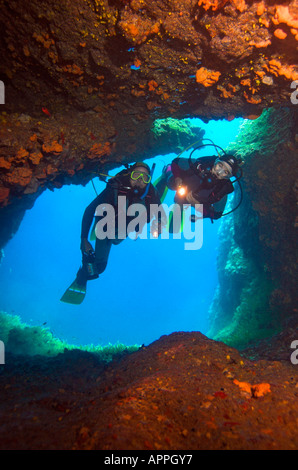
133, 183
205, 181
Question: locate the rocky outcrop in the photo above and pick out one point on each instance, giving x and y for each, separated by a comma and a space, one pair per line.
183, 391
257, 268
86, 83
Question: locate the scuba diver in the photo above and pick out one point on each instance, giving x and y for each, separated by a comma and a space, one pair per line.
134, 183
205, 181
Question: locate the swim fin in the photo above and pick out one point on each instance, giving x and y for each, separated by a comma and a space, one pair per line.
75, 294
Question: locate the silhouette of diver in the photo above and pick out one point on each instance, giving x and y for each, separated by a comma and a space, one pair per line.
206, 182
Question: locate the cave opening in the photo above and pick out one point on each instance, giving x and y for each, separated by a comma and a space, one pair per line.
85, 81
150, 288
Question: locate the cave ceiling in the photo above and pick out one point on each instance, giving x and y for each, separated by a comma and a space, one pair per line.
85, 80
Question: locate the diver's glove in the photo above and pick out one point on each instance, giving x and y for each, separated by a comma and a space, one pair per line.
156, 228
191, 199
174, 183
209, 212
166, 171
194, 218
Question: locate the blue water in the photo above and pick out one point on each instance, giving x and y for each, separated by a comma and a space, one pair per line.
150, 287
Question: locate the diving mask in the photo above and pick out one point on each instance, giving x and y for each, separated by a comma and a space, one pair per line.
222, 170
135, 175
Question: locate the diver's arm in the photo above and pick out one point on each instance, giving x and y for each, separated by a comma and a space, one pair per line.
219, 206
154, 198
221, 194
175, 177
210, 213
174, 183
158, 217
215, 211
191, 199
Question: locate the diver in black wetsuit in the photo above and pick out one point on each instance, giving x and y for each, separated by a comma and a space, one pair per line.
207, 182
135, 184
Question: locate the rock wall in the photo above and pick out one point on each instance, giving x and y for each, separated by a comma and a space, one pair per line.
85, 80
257, 259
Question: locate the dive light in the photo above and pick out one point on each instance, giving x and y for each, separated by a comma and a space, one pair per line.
181, 191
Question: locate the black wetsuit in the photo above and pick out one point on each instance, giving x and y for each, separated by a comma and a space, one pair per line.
117, 186
206, 188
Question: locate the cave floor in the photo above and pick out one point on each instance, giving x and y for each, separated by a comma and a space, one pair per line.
184, 391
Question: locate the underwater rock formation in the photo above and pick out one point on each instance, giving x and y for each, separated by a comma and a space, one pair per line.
183, 391
21, 339
90, 85
257, 266
85, 81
